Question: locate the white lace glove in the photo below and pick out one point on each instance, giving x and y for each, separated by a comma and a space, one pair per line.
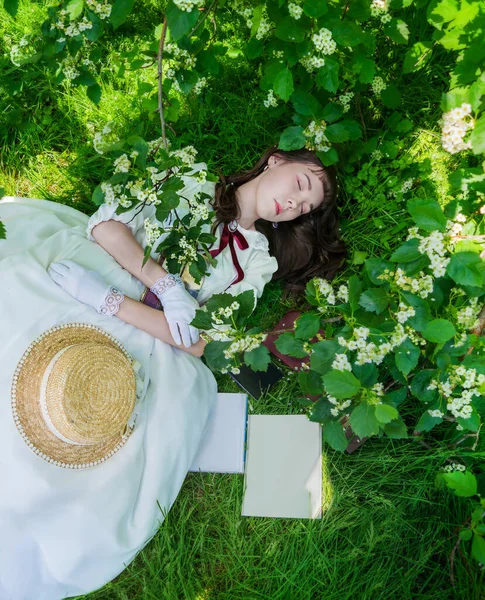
179, 308
86, 286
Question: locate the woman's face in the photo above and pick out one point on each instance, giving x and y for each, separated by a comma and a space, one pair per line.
286, 190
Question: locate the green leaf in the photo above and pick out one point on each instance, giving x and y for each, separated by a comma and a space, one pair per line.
257, 14
310, 382
396, 397
478, 548
427, 214
407, 356
214, 355
417, 56
367, 374
419, 385
75, 9
98, 196
397, 30
441, 11
332, 112
11, 6
327, 76
366, 68
323, 356
330, 157
290, 30
421, 309
374, 300
202, 320
304, 103
396, 429
341, 384
478, 136
355, 290
258, 359
347, 33
439, 331
391, 96
180, 22
427, 422
336, 133
283, 84
462, 268
375, 267
320, 411
407, 252
3, 233
466, 535
292, 138
315, 8
363, 420
289, 345
334, 435
464, 483
385, 413
94, 93
307, 326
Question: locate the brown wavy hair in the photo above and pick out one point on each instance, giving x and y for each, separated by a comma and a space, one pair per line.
310, 245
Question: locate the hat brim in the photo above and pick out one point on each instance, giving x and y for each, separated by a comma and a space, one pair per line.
26, 407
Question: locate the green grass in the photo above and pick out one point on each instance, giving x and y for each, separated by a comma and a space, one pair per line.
386, 533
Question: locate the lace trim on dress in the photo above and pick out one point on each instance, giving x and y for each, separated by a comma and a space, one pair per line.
111, 304
165, 283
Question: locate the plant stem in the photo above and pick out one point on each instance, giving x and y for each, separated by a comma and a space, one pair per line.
199, 23
160, 91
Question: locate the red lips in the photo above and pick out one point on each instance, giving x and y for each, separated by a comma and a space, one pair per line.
279, 208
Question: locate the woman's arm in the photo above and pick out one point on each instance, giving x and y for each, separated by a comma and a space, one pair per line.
153, 322
118, 240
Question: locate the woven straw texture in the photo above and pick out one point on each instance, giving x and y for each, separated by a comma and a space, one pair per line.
93, 381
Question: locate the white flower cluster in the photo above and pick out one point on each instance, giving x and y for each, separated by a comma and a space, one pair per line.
22, 52
122, 164
270, 100
378, 85
189, 254
244, 344
71, 28
325, 289
155, 145
434, 246
422, 285
454, 467
316, 138
114, 195
179, 59
198, 210
68, 67
102, 9
436, 413
414, 337
343, 293
405, 312
224, 312
368, 352
468, 380
341, 363
187, 155
312, 62
104, 138
345, 100
188, 5
455, 227
380, 8
199, 86
323, 41
455, 124
407, 185
335, 411
467, 317
295, 10
152, 232
461, 341
247, 15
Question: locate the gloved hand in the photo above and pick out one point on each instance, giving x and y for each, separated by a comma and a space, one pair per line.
179, 308
86, 286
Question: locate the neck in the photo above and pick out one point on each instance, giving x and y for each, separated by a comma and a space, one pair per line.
245, 196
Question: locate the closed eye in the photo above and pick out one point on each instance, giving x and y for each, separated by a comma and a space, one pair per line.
299, 185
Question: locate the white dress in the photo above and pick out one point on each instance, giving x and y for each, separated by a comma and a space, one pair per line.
64, 532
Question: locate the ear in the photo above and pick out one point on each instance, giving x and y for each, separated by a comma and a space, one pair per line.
274, 159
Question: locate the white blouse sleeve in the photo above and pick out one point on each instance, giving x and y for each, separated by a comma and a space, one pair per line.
135, 218
257, 273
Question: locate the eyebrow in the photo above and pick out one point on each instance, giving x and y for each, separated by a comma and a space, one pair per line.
309, 182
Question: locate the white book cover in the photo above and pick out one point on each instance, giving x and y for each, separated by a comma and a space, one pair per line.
222, 447
283, 467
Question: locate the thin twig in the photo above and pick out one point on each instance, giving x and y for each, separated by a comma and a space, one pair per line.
160, 91
478, 330
199, 23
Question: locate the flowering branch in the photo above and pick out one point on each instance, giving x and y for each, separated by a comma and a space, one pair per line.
160, 92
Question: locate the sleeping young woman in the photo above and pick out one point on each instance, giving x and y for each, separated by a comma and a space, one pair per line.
68, 531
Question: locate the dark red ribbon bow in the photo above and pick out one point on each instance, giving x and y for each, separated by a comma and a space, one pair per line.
227, 237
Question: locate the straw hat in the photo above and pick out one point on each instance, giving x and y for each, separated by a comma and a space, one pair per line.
73, 393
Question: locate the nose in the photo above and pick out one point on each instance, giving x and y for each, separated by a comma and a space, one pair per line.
292, 203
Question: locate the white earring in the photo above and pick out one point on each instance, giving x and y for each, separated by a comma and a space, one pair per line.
265, 168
